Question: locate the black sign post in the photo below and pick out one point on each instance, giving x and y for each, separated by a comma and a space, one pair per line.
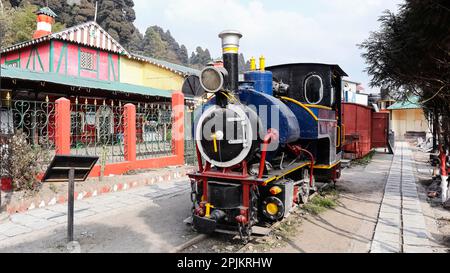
70, 169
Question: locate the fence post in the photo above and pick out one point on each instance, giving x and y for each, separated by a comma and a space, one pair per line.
62, 126
178, 125
129, 121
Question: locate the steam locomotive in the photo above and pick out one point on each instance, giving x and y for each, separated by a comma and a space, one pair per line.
262, 143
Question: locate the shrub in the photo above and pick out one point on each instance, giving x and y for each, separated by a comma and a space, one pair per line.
21, 162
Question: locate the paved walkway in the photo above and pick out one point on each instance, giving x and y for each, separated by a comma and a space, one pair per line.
401, 224
52, 216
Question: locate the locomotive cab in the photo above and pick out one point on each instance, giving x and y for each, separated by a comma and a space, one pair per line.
316, 89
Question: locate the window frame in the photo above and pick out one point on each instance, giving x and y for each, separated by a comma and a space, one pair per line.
321, 89
93, 56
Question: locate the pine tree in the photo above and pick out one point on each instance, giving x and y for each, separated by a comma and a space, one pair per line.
200, 58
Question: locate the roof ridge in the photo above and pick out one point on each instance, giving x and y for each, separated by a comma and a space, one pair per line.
178, 68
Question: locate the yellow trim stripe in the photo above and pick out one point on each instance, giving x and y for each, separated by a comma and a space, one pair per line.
321, 167
284, 174
231, 49
318, 107
301, 105
215, 142
326, 167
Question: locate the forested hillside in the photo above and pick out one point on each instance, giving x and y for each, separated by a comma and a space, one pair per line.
17, 24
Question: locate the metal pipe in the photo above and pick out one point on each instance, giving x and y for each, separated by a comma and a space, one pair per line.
311, 172
70, 206
253, 64
271, 135
262, 63
298, 150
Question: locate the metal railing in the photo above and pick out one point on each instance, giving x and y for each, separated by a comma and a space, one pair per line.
190, 157
35, 120
153, 130
97, 130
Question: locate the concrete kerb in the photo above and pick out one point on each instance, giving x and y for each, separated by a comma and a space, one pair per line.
123, 183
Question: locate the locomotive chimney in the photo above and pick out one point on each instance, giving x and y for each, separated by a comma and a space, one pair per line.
230, 49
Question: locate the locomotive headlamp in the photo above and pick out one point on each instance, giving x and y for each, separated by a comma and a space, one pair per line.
272, 208
212, 79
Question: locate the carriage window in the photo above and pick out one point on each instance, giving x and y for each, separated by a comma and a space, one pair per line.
314, 89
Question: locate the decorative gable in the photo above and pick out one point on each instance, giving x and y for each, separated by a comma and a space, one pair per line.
90, 34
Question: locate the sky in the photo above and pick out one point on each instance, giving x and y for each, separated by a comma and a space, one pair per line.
284, 31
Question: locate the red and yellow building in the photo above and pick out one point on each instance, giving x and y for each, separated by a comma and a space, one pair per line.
98, 76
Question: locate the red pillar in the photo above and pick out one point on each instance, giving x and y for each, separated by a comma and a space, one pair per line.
129, 120
62, 127
178, 125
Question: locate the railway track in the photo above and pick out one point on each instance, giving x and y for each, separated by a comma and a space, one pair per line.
203, 237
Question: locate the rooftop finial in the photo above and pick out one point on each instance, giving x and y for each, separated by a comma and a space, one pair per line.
96, 11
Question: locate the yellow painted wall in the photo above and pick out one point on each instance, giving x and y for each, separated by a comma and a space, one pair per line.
145, 74
131, 71
409, 120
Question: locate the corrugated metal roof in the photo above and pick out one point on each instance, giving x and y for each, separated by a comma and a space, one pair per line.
180, 69
16, 73
411, 103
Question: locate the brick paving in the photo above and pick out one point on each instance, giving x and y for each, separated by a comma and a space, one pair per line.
401, 224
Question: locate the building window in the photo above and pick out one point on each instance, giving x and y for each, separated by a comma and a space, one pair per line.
87, 61
313, 89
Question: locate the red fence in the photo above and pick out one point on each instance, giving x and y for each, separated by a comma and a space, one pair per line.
63, 138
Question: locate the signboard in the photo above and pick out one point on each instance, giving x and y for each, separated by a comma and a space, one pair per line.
67, 168
58, 171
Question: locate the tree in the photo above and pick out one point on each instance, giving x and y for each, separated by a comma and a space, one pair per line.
409, 55
200, 58
153, 45
244, 66
160, 44
117, 17
19, 24
183, 54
